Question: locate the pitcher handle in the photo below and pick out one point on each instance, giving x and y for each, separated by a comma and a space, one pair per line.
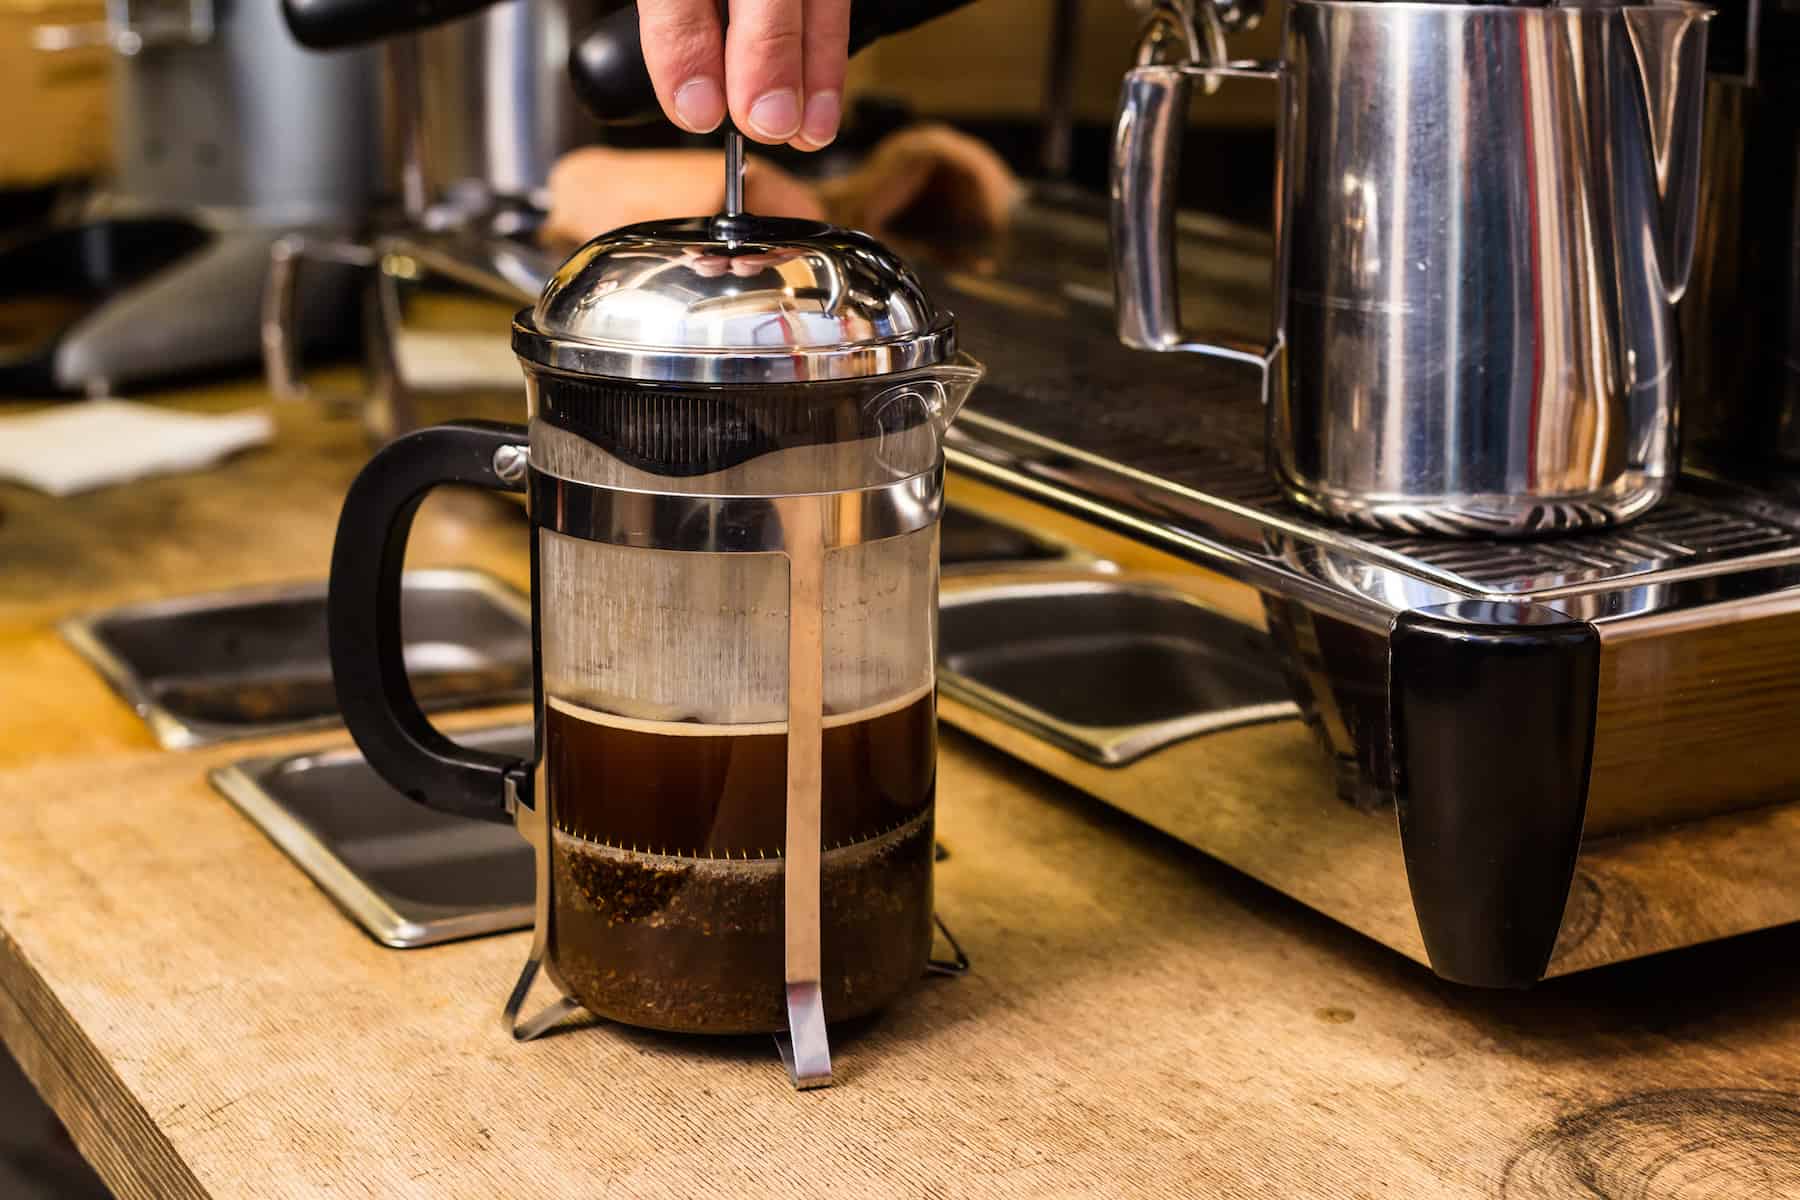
1146, 162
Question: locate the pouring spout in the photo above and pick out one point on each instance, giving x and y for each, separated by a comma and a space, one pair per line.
911, 414
1667, 71
955, 381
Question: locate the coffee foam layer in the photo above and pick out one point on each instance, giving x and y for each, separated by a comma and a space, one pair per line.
596, 716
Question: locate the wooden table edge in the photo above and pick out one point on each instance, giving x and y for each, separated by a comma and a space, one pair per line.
113, 1131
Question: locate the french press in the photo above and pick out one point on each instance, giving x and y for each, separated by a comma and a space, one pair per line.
734, 474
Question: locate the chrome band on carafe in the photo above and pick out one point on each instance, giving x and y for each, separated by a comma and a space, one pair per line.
735, 524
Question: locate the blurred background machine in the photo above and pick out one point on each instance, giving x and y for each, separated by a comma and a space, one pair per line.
1741, 326
223, 136
477, 111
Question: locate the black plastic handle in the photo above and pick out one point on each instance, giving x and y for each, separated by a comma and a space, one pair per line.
363, 618
333, 24
606, 64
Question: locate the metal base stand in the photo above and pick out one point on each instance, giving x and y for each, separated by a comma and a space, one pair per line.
533, 824
538, 1023
957, 963
805, 1049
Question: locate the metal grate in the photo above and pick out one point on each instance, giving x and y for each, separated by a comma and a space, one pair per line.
1197, 423
1685, 528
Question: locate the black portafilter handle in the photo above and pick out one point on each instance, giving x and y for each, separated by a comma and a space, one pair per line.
334, 24
606, 64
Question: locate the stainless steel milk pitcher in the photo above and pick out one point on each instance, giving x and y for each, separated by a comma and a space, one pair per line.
1485, 216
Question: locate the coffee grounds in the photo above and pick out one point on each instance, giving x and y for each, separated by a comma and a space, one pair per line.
695, 945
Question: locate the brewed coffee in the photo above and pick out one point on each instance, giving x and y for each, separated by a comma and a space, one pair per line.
667, 875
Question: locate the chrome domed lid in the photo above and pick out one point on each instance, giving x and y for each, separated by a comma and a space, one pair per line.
734, 299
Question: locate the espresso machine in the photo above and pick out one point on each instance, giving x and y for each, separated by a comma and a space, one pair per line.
1395, 599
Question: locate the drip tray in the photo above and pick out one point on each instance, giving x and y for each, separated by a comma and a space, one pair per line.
1109, 671
206, 669
408, 875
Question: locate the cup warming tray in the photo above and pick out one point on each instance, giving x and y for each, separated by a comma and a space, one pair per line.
408, 875
1108, 670
206, 669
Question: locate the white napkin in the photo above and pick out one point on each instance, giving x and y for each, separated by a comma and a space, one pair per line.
93, 443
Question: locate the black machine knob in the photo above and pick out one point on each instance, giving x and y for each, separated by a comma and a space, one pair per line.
606, 64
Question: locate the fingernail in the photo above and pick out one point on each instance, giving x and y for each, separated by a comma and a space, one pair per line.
821, 124
700, 105
776, 115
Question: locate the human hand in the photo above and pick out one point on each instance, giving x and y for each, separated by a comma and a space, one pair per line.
780, 68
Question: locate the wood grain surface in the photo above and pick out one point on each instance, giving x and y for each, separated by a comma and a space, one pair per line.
1140, 1020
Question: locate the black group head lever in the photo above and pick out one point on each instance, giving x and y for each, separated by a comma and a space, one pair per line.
334, 24
606, 64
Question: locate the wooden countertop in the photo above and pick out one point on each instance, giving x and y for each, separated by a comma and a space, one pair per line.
1139, 1020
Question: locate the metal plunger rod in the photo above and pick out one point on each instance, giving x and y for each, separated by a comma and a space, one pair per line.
734, 144
734, 171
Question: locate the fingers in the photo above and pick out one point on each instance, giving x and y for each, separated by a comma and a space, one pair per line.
763, 68
824, 51
682, 48
781, 70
